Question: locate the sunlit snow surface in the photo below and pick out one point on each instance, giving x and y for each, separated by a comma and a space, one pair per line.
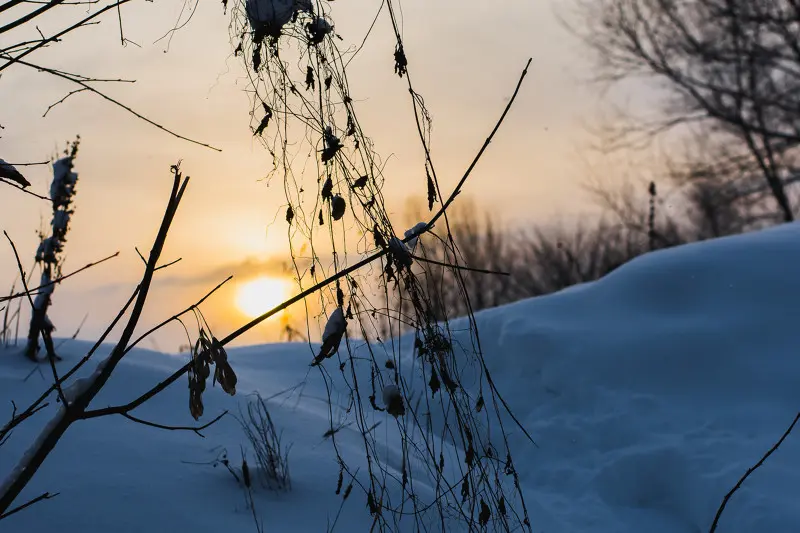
649, 394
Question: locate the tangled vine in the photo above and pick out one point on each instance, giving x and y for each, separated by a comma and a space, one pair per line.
436, 391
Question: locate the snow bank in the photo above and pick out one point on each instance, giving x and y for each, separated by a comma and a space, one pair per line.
649, 394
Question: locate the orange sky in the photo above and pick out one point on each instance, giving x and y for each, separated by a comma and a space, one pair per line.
465, 57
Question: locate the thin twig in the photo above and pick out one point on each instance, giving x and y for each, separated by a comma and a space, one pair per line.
195, 429
51, 106
45, 496
750, 471
460, 267
25, 190
84, 83
53, 38
58, 280
169, 264
140, 255
177, 315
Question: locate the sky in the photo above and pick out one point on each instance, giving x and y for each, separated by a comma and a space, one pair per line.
465, 56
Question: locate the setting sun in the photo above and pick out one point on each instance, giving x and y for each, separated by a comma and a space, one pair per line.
261, 294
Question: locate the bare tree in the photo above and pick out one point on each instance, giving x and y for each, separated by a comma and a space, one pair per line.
501, 264
729, 71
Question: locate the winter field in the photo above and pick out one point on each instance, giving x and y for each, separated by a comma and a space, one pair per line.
649, 394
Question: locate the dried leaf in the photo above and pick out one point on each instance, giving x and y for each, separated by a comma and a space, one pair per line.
339, 295
393, 400
469, 456
264, 121
431, 190
327, 189
310, 85
340, 480
434, 382
485, 514
400, 60
338, 207
223, 373
256, 57
332, 145
380, 242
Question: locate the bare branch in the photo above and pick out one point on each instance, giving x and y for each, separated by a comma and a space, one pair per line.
84, 83
51, 106
45, 496
750, 471
195, 429
23, 189
58, 280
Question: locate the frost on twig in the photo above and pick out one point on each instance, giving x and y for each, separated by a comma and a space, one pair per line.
268, 17
48, 253
332, 336
413, 235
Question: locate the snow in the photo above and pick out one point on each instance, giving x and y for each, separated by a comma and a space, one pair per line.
274, 13
413, 234
80, 385
649, 393
63, 179
44, 293
335, 326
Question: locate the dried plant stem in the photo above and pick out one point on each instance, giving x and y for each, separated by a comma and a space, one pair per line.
750, 471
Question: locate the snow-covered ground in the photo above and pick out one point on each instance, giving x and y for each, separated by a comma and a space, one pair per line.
649, 392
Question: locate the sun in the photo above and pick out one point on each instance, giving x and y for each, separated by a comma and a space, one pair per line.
259, 295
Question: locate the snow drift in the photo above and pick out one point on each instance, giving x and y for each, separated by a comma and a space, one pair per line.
649, 393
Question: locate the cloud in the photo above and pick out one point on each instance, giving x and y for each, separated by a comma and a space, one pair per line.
248, 268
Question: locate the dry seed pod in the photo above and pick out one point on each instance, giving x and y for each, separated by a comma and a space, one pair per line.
196, 397
338, 206
393, 400
223, 373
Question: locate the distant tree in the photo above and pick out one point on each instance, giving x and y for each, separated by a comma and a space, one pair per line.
730, 73
503, 264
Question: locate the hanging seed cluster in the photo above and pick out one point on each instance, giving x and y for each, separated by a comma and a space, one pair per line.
207, 351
